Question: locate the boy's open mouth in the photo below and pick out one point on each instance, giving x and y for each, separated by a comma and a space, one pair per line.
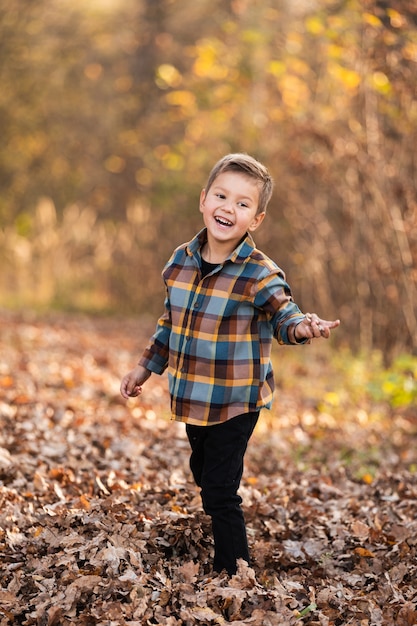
223, 222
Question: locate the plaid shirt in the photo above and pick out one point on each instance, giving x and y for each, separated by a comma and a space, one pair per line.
216, 333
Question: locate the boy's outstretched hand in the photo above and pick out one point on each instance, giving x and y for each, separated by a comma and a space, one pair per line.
131, 385
313, 327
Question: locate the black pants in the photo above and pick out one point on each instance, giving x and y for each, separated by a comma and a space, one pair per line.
217, 466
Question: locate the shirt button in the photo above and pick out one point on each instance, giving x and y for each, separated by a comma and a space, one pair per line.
196, 305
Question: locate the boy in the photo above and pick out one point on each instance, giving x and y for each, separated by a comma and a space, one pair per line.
225, 302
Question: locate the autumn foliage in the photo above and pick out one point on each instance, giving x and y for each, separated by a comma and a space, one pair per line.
100, 522
112, 113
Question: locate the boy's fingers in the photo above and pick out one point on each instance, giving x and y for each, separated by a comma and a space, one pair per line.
312, 318
123, 390
127, 388
333, 324
319, 327
327, 324
325, 327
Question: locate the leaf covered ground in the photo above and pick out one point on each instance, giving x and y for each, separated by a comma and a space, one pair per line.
100, 522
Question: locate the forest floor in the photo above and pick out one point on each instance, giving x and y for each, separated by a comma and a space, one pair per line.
100, 522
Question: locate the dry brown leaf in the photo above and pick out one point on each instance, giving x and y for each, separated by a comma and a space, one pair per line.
189, 571
201, 615
360, 530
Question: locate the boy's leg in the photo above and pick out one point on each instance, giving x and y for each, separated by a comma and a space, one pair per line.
217, 465
197, 436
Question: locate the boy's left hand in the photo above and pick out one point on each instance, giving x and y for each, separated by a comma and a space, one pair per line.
313, 327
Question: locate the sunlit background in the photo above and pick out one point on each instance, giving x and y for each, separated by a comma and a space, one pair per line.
113, 112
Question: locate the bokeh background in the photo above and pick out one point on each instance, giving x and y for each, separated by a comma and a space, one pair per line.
112, 113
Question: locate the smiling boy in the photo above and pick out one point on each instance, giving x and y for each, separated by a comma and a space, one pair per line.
225, 303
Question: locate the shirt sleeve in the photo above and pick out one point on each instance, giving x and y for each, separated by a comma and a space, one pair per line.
155, 355
275, 299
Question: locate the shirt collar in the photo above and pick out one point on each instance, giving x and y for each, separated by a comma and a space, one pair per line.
239, 254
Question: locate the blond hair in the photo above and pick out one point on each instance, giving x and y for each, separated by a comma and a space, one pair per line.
248, 166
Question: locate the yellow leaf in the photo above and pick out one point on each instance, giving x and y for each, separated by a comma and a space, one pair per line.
314, 25
208, 63
252, 36
371, 19
182, 98
276, 68
380, 82
168, 76
332, 398
334, 51
350, 78
367, 478
397, 20
173, 161
388, 387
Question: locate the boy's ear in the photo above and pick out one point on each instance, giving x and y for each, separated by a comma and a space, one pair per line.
202, 198
257, 221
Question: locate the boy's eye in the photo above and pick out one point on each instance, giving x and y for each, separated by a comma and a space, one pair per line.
222, 196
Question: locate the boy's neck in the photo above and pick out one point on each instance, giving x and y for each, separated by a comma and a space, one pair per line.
216, 252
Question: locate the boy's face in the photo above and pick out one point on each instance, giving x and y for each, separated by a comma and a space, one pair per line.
230, 207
